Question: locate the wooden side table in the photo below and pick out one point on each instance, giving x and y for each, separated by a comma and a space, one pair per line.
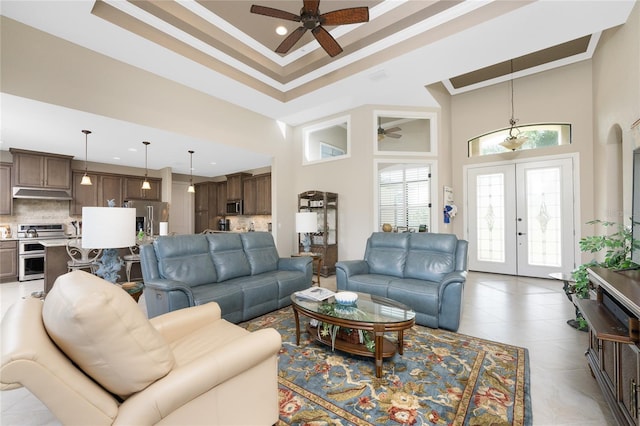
316, 258
134, 288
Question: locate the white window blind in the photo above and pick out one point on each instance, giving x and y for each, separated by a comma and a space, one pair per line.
404, 195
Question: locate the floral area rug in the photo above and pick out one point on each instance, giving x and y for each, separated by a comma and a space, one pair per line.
443, 378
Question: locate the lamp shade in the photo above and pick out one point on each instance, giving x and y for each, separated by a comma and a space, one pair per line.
108, 227
306, 222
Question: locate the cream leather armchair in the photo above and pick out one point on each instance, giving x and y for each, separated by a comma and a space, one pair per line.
92, 357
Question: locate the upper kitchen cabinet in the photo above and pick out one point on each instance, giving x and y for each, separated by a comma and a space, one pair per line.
41, 170
235, 187
257, 195
105, 187
221, 202
5, 189
133, 189
83, 195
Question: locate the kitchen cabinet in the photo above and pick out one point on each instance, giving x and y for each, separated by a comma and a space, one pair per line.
133, 189
83, 195
325, 241
257, 195
41, 170
221, 202
614, 338
9, 260
110, 188
206, 205
6, 199
235, 188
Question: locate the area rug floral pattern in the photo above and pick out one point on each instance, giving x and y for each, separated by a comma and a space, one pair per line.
443, 378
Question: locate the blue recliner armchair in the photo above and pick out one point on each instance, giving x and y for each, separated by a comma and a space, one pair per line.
425, 271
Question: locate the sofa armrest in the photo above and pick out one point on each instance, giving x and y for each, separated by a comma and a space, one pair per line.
187, 382
454, 277
353, 267
294, 263
170, 285
174, 325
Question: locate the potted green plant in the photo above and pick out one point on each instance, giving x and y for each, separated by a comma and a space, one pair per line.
617, 247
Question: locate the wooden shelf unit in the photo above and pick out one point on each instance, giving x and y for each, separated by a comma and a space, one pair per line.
325, 241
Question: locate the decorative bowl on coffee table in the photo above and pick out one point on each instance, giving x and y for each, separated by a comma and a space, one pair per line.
346, 298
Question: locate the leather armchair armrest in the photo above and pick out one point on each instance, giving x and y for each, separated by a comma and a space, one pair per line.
293, 263
173, 325
454, 277
353, 267
170, 285
189, 381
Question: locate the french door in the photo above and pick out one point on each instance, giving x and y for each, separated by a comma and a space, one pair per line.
520, 218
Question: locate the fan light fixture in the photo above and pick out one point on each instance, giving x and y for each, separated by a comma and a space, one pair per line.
513, 141
86, 180
145, 184
191, 187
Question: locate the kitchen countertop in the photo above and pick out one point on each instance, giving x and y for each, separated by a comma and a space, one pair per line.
58, 242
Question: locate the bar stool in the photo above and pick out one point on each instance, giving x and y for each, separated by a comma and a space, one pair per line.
82, 258
130, 259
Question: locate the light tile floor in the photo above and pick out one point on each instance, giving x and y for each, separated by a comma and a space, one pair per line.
520, 311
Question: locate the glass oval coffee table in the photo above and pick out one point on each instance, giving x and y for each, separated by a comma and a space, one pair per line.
372, 315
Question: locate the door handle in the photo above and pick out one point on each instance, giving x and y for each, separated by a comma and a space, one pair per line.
522, 233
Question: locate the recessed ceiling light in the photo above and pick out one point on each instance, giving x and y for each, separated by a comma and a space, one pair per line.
213, 163
133, 150
116, 158
281, 30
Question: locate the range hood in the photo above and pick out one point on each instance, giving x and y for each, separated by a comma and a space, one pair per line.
41, 193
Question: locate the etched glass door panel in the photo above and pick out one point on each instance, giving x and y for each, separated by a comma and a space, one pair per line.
491, 224
545, 217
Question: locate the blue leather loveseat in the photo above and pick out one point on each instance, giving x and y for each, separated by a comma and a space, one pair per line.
240, 271
425, 271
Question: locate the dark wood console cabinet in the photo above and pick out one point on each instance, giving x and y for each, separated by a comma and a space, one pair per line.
614, 336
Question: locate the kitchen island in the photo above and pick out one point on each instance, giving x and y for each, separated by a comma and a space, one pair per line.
56, 258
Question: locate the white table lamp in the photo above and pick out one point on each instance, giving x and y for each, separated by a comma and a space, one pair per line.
108, 228
306, 222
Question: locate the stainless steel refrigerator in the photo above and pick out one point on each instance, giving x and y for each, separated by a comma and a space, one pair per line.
149, 214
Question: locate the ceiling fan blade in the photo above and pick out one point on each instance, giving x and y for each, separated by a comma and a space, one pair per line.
274, 13
393, 135
311, 6
352, 15
326, 40
393, 129
291, 39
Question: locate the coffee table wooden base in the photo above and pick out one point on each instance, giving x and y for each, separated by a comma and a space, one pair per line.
383, 347
388, 347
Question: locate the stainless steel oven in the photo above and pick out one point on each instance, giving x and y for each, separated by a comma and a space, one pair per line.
31, 259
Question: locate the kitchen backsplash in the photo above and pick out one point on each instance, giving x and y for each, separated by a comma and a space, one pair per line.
55, 211
38, 212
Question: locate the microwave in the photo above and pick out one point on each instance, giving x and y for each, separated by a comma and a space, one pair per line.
234, 207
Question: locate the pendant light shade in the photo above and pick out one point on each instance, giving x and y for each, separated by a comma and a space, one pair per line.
86, 180
145, 184
515, 140
191, 188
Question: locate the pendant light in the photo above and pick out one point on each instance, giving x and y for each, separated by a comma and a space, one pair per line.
191, 187
513, 141
145, 184
86, 180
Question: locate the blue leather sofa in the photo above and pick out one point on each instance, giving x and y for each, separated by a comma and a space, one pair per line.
240, 271
425, 271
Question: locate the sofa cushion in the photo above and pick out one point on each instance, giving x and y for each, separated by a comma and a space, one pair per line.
386, 253
431, 256
100, 327
228, 256
185, 258
261, 251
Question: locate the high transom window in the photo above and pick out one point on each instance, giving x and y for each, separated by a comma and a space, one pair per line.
538, 136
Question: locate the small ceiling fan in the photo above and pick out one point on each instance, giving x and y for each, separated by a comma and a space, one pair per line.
389, 133
311, 19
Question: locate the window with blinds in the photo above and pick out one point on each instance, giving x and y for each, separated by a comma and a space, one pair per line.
404, 195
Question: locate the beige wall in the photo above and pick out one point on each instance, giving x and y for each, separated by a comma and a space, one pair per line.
596, 96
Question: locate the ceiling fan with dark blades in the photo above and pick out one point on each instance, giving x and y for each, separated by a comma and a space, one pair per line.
389, 133
311, 19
